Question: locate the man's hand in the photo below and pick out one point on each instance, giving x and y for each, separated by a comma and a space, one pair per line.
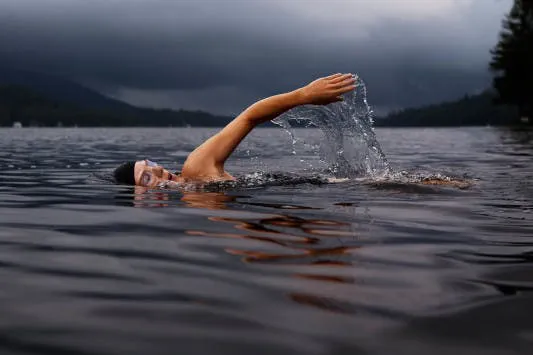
326, 90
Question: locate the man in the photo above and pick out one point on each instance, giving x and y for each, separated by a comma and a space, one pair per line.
206, 163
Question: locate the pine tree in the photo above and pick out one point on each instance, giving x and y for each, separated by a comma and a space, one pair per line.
512, 59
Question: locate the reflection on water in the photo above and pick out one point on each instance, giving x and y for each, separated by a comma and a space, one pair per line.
299, 240
143, 197
520, 138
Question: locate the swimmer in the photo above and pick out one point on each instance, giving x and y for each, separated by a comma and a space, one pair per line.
206, 163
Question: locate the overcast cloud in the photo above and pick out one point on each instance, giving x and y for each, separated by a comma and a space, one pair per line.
219, 55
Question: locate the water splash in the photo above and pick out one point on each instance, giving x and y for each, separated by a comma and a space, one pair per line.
350, 147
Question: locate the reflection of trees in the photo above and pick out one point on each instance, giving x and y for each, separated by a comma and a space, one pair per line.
518, 137
307, 242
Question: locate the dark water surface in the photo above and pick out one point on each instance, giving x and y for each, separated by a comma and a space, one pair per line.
87, 267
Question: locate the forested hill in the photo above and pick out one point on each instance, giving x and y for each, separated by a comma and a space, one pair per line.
476, 110
39, 99
59, 89
32, 108
35, 99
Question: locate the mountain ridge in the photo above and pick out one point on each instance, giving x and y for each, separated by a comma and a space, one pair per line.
40, 99
60, 89
34, 98
470, 110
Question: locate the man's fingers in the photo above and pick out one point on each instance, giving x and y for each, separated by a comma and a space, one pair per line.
344, 89
334, 76
348, 81
340, 78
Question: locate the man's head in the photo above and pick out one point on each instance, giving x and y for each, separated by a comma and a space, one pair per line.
125, 173
142, 173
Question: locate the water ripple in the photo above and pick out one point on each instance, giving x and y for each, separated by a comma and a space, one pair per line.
290, 264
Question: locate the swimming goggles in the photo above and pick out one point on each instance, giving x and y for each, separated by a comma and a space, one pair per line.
147, 176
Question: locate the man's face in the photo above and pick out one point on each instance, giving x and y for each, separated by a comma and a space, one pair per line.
149, 174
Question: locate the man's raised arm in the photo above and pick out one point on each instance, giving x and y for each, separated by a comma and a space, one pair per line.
209, 158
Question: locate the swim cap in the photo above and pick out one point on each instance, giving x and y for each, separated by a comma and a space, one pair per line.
125, 173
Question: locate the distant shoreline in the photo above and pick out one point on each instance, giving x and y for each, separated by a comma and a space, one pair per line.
35, 106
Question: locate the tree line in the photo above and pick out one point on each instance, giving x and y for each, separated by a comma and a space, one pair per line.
471, 110
512, 60
509, 102
30, 108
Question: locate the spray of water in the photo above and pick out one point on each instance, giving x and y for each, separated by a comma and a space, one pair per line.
350, 147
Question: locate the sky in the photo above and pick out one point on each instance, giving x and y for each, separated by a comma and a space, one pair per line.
222, 55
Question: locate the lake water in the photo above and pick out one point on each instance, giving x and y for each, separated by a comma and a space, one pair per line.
291, 267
